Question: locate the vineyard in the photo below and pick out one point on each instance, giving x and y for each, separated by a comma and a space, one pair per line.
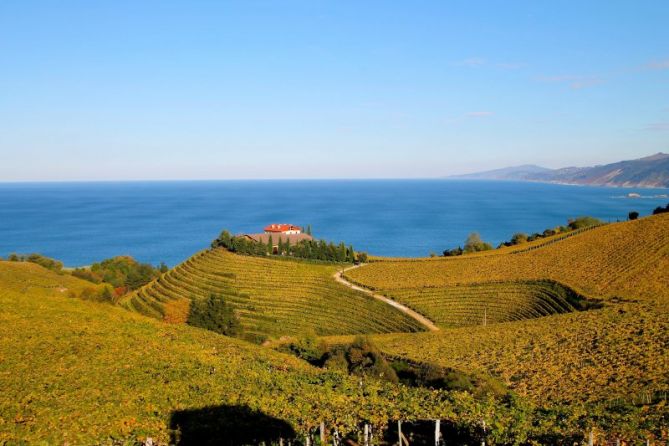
79, 372
617, 354
617, 260
272, 297
476, 304
82, 372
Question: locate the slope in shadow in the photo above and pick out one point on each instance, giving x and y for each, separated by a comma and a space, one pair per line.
226, 425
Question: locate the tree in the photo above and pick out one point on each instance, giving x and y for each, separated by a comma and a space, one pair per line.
518, 238
214, 314
453, 252
633, 215
661, 210
583, 222
270, 245
475, 244
308, 230
163, 268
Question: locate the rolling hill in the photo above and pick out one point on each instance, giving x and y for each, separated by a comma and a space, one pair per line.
606, 356
650, 171
273, 297
86, 372
79, 372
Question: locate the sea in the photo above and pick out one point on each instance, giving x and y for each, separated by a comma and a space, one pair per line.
81, 223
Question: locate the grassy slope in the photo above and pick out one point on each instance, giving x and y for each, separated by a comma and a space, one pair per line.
86, 372
620, 351
273, 297
624, 259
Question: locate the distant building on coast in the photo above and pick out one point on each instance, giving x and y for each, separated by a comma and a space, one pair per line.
282, 228
280, 233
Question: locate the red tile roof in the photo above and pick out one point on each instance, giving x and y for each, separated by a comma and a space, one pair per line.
281, 227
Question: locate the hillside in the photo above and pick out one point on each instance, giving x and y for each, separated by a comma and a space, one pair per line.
627, 259
77, 372
650, 171
273, 297
614, 354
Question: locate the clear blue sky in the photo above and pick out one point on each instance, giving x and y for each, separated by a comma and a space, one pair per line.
326, 89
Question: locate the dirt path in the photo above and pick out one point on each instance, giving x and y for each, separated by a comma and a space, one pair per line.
339, 277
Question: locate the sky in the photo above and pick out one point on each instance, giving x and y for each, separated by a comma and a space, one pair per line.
151, 90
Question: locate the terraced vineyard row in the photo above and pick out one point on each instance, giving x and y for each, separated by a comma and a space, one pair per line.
458, 306
272, 297
616, 260
619, 352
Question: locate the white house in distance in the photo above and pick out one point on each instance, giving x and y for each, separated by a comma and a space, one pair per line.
282, 228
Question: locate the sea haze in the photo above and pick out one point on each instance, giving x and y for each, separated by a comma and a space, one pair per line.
81, 223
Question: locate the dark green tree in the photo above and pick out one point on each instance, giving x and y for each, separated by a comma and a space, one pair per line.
214, 314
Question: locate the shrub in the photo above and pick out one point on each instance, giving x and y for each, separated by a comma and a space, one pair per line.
633, 215
453, 252
214, 314
583, 222
661, 210
309, 348
121, 272
518, 238
475, 244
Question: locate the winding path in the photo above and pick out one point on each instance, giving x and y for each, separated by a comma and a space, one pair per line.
339, 277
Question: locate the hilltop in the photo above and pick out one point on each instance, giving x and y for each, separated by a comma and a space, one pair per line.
613, 353
650, 171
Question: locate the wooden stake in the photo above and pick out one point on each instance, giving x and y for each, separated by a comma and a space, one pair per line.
365, 435
399, 431
307, 440
322, 429
437, 432
591, 438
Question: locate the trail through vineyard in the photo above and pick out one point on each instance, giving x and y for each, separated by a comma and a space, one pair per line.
341, 278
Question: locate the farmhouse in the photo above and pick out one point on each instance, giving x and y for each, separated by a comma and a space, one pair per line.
284, 233
282, 228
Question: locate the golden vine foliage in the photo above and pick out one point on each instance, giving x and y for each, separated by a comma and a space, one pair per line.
617, 260
80, 372
619, 352
272, 297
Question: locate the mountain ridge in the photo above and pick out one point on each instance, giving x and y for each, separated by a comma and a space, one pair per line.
649, 171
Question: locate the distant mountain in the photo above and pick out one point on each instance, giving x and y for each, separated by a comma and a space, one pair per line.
651, 171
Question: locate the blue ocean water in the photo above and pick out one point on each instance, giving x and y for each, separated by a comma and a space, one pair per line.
81, 223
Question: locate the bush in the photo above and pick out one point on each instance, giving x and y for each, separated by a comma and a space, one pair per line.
214, 314
121, 272
453, 252
661, 210
633, 215
475, 244
309, 348
584, 222
39, 259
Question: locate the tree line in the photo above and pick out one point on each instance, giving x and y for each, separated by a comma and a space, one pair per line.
304, 249
475, 244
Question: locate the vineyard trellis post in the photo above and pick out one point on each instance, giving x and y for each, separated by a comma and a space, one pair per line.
399, 431
322, 432
437, 432
365, 435
591, 438
307, 440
